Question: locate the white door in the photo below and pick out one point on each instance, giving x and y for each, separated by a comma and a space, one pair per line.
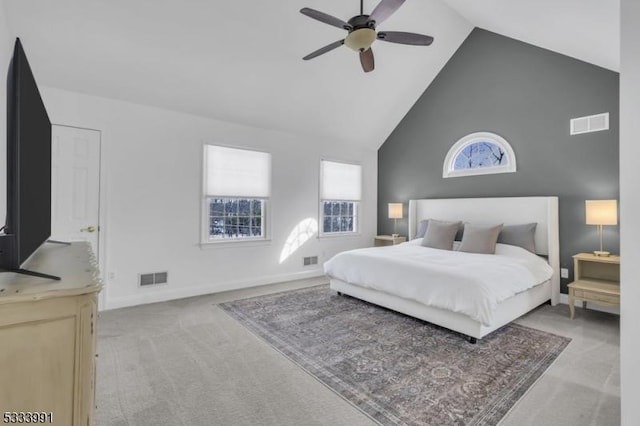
75, 185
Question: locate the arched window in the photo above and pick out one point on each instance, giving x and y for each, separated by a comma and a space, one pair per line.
479, 153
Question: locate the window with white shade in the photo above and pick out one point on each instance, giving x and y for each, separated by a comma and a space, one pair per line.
340, 195
236, 191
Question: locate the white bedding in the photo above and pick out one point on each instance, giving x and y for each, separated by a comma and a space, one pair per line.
467, 283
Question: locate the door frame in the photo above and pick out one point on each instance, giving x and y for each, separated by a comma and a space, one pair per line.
102, 202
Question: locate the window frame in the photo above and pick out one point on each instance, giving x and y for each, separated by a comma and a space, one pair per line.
205, 241
225, 239
356, 219
448, 170
356, 205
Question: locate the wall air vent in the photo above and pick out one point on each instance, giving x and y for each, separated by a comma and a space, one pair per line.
591, 123
152, 278
311, 260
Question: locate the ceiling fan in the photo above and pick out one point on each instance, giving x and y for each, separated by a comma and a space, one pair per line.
362, 31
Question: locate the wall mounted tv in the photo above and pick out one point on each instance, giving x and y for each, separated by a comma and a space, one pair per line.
28, 221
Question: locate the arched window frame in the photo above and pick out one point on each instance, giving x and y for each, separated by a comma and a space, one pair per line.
449, 161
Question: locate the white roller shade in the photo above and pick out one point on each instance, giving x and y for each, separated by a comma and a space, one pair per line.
341, 181
237, 172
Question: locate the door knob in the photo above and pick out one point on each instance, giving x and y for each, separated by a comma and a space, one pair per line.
88, 229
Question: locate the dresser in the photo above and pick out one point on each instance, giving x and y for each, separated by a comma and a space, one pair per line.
48, 338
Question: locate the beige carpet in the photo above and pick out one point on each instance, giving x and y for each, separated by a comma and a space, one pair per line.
188, 363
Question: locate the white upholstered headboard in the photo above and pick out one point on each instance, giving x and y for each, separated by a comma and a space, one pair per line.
507, 210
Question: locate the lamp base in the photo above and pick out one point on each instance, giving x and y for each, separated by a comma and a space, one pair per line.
601, 253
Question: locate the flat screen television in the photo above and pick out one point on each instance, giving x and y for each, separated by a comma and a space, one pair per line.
28, 220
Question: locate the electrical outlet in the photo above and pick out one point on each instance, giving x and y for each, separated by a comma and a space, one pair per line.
112, 275
564, 273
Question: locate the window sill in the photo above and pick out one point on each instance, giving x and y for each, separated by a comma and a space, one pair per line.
209, 245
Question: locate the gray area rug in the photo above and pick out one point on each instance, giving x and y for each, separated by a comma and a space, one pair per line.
397, 369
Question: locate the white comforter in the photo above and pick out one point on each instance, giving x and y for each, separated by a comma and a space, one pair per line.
467, 283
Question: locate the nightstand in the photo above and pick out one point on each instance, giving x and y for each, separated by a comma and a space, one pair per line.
388, 240
597, 280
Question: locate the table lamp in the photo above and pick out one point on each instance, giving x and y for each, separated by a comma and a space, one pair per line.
395, 213
599, 213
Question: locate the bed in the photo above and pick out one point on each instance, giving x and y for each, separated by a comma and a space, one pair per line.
509, 210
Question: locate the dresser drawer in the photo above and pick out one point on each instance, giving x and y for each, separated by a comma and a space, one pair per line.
597, 297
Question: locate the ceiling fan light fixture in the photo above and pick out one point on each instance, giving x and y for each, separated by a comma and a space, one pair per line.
360, 39
362, 33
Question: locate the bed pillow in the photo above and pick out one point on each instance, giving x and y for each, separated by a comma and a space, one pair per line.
440, 234
519, 235
480, 238
422, 228
424, 224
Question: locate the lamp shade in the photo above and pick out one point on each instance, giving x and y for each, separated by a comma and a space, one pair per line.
395, 210
601, 212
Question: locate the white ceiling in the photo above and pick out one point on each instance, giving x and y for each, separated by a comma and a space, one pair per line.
240, 60
588, 30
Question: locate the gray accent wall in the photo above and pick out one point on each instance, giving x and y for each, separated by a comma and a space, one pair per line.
526, 95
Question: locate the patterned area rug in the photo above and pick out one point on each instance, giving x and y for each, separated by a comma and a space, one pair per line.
397, 369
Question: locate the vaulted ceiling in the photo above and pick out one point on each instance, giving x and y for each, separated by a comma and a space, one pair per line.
240, 60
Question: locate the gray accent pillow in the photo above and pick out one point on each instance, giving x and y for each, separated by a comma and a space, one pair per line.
480, 238
422, 228
424, 224
440, 234
519, 235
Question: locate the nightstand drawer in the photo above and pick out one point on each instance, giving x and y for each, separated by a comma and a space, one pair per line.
597, 297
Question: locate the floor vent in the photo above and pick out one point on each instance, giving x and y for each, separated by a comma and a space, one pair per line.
153, 278
311, 260
588, 124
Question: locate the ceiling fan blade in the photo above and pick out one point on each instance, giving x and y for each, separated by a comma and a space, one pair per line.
325, 49
405, 38
384, 9
327, 19
366, 60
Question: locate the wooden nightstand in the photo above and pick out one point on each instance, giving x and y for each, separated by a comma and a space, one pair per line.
388, 240
597, 280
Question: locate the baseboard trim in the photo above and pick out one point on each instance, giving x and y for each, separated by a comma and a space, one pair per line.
171, 294
564, 298
164, 294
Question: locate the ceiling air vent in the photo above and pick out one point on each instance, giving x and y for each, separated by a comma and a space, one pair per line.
152, 278
591, 123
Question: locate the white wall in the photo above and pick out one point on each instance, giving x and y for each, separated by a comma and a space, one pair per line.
152, 160
630, 210
6, 50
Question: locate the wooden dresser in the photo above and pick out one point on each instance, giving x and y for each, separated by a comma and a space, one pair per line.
48, 338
